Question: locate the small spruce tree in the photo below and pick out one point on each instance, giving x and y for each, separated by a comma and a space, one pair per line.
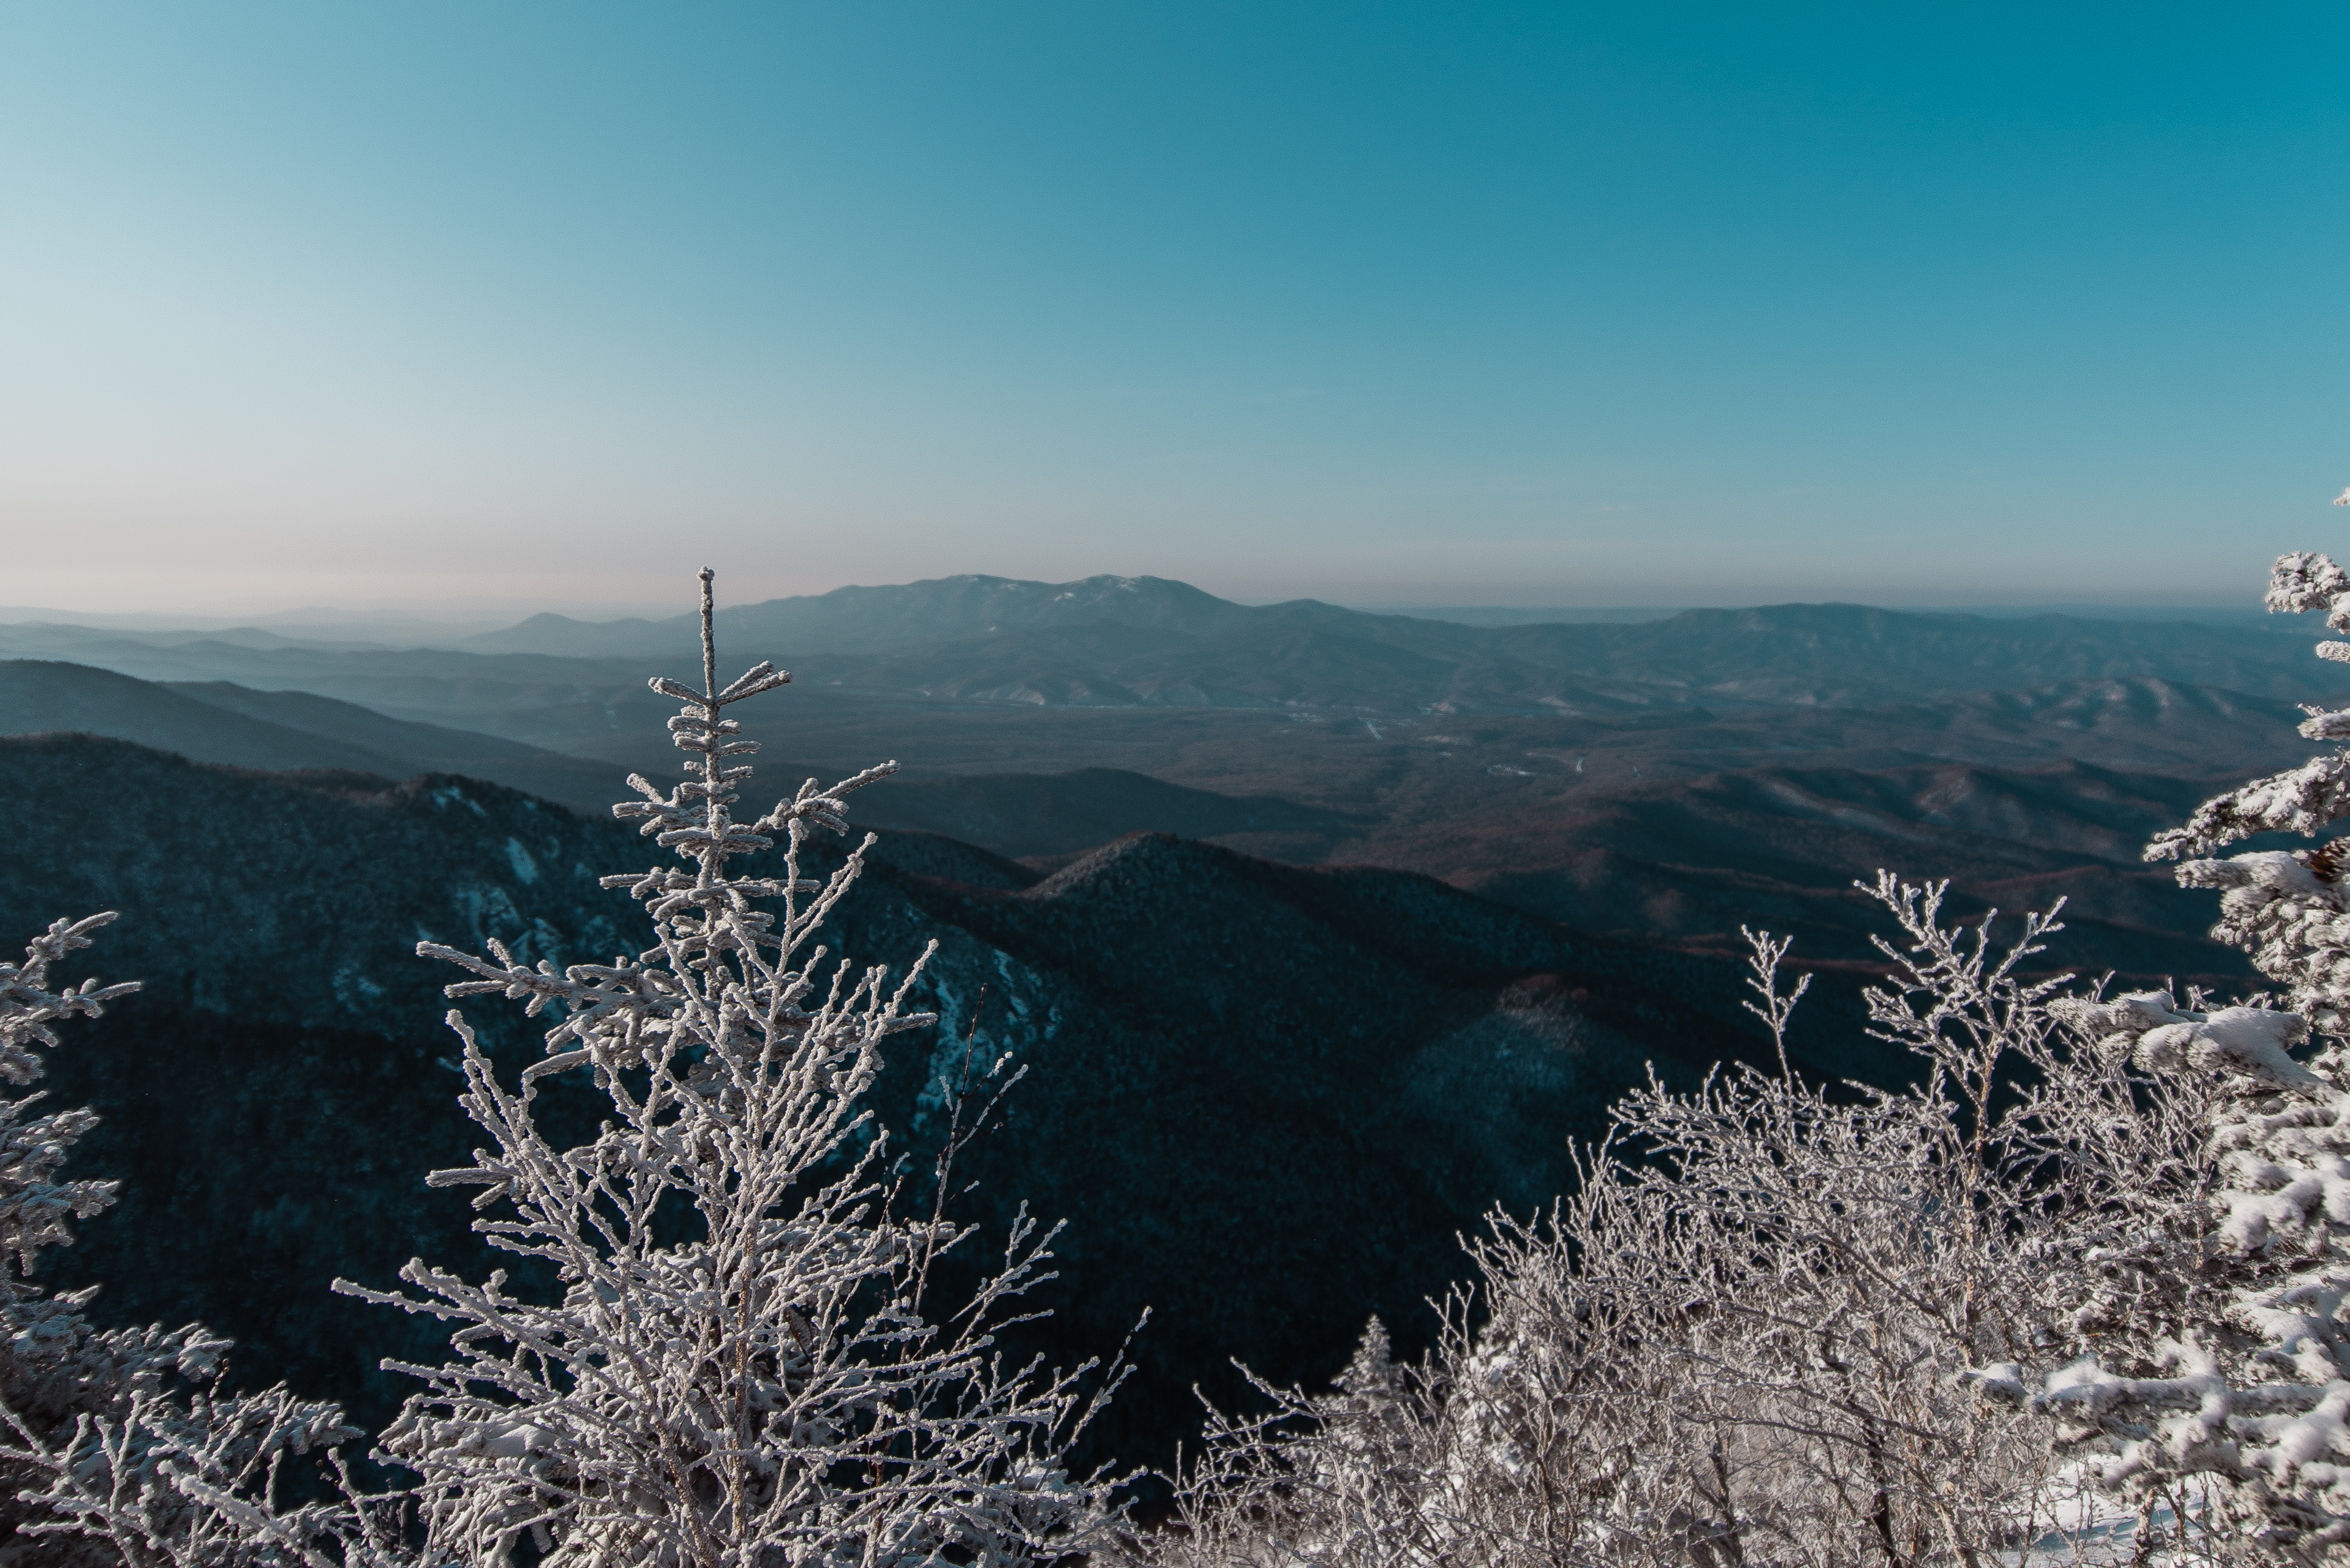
735, 1367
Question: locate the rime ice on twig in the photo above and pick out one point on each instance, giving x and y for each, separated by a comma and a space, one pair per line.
761, 1390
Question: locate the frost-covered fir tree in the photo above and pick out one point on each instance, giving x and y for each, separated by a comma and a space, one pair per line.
2218, 1362
735, 1367
117, 1446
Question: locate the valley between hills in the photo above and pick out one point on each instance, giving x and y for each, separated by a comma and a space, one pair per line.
1665, 780
1322, 932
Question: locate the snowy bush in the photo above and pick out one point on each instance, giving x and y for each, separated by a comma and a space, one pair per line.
1750, 1335
116, 1446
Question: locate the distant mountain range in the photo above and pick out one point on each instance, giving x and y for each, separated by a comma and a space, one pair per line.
877, 620
1125, 641
1146, 641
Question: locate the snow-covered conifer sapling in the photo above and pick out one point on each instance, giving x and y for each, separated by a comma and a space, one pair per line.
734, 1367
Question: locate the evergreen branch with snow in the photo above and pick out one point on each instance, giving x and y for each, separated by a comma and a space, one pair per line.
2214, 1353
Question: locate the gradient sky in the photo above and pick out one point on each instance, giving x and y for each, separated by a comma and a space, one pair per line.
542, 306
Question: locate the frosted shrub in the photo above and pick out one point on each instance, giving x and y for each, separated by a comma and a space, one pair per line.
1756, 1342
116, 1447
730, 1366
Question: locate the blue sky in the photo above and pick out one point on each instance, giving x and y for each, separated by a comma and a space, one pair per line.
542, 306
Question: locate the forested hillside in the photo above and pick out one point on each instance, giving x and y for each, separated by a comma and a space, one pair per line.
1266, 1098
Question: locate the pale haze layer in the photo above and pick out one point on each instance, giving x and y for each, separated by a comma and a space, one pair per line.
517, 306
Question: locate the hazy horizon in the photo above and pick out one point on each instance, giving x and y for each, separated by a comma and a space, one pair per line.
439, 305
446, 619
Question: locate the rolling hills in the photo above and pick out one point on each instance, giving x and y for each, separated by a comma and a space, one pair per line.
1266, 1097
1146, 642
1675, 827
1322, 929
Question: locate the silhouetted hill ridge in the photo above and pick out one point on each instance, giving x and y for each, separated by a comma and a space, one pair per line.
218, 721
38, 696
1006, 639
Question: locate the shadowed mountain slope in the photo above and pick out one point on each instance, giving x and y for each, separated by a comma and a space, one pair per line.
1691, 860
1266, 1097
